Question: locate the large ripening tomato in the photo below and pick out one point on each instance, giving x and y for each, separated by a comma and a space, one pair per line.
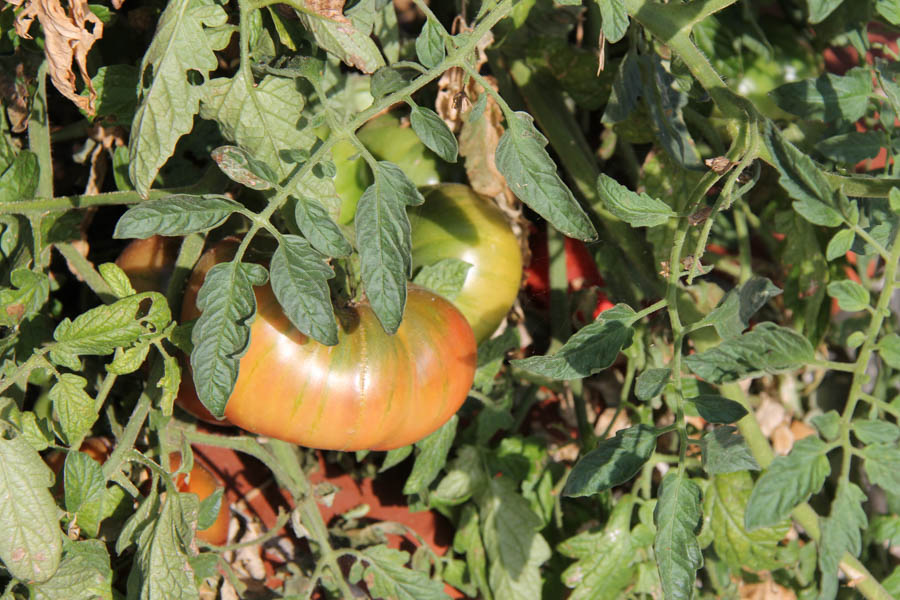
456, 222
149, 263
370, 391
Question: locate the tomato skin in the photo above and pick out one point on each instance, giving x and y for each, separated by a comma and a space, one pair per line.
370, 391
385, 138
149, 263
457, 222
202, 483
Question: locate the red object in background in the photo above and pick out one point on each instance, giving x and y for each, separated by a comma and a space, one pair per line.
581, 270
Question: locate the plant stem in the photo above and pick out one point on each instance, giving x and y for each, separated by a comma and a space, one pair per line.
125, 443
85, 270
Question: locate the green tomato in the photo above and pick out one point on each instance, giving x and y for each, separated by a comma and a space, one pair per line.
351, 180
387, 140
456, 222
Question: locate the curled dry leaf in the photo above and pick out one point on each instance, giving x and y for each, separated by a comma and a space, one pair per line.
66, 37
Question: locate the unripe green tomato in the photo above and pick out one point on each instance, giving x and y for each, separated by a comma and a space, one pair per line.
387, 140
351, 180
457, 222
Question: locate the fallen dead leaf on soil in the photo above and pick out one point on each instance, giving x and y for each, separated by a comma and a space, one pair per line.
67, 37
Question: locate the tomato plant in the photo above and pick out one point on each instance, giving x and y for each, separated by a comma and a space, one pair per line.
696, 394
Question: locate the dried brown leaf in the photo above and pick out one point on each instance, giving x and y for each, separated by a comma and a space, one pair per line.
67, 37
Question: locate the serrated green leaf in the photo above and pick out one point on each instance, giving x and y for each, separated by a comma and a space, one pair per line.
386, 81
179, 214
116, 87
531, 174
434, 133
491, 354
636, 209
29, 293
870, 431
396, 456
129, 360
840, 244
724, 451
829, 97
242, 168
19, 181
590, 350
804, 182
162, 569
102, 329
188, 34
889, 350
820, 9
828, 425
117, 280
514, 547
677, 517
83, 574
883, 466
613, 462
222, 333
717, 409
768, 348
319, 229
604, 565
85, 491
300, 282
787, 482
445, 277
209, 509
31, 544
169, 384
850, 295
430, 44
724, 504
732, 315
343, 39
665, 102
850, 148
139, 519
651, 383
384, 242
614, 19
73, 407
388, 577
889, 9
840, 533
431, 458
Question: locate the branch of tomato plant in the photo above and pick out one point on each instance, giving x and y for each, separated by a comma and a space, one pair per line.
82, 267
273, 532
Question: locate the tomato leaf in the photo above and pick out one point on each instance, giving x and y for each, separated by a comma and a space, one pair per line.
300, 282
514, 547
768, 348
850, 295
179, 214
384, 242
532, 176
117, 280
724, 451
651, 383
73, 406
434, 133
430, 44
83, 574
717, 409
31, 544
85, 490
889, 350
883, 466
787, 482
491, 354
29, 292
638, 210
732, 315
209, 509
840, 244
317, 227
431, 458
164, 548
841, 533
614, 19
396, 456
678, 517
613, 462
445, 277
188, 34
19, 181
724, 504
342, 38
665, 102
829, 97
386, 80
590, 350
243, 168
388, 577
222, 332
850, 148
